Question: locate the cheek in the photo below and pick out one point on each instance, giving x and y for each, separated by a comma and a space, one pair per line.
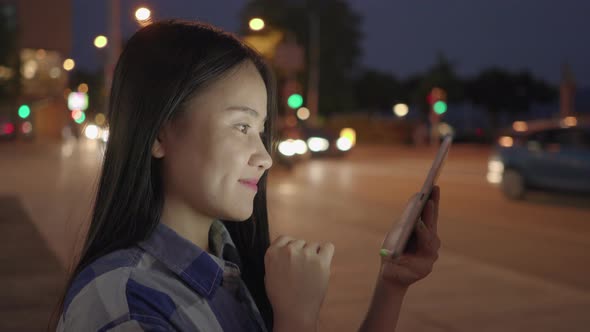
215, 165
234, 156
230, 151
184, 169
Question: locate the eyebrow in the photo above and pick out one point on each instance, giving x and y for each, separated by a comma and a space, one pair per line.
246, 109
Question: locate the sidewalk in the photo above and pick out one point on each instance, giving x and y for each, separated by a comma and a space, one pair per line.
31, 278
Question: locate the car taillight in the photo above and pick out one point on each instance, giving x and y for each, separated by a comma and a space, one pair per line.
506, 141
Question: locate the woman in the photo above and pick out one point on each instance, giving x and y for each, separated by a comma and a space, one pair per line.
179, 236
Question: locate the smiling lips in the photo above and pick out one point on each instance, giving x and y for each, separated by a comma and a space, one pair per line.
250, 183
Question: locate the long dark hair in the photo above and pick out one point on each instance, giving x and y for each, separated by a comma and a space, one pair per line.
162, 66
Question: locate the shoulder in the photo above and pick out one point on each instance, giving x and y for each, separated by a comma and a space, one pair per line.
107, 295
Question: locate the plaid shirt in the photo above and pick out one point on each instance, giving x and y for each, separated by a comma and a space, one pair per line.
165, 283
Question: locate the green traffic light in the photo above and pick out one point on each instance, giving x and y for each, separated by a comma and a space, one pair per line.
24, 111
81, 119
440, 107
295, 101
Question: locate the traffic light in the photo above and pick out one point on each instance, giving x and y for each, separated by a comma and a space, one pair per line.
24, 111
295, 101
78, 116
440, 107
8, 128
437, 99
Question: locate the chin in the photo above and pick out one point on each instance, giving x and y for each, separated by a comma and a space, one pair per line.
238, 215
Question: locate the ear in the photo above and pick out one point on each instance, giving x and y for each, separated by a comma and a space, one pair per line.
158, 149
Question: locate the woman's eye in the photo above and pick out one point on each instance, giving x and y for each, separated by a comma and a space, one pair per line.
244, 128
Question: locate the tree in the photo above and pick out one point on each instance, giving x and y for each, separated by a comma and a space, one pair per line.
377, 90
339, 41
501, 91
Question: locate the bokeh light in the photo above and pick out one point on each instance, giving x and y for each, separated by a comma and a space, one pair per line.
91, 131
83, 88
303, 113
143, 14
26, 127
100, 119
519, 126
100, 41
256, 24
401, 110
69, 64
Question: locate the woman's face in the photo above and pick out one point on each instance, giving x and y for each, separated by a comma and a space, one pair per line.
213, 154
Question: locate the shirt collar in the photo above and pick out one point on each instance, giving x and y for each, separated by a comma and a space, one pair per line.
222, 246
200, 270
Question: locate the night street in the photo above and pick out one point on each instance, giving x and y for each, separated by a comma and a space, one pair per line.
504, 265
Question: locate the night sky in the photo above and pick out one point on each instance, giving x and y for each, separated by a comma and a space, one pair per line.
403, 37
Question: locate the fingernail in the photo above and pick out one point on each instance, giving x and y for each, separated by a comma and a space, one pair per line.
384, 253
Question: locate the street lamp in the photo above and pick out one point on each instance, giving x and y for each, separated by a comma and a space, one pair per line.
100, 41
401, 110
256, 24
143, 16
69, 64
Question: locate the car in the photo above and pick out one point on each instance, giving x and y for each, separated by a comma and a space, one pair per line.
546, 155
291, 147
299, 143
323, 141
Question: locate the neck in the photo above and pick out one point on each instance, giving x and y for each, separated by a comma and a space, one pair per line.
187, 222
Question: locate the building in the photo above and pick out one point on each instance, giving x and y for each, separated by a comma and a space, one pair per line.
39, 35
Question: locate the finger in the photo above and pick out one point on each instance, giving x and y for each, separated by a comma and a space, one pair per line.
425, 237
296, 245
423, 233
435, 194
391, 239
436, 199
326, 252
428, 215
408, 269
427, 244
312, 247
281, 241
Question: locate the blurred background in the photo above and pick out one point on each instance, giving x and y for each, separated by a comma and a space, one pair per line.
367, 89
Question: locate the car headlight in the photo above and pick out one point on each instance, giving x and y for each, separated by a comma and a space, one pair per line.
343, 144
495, 171
299, 146
91, 132
318, 144
105, 135
495, 166
287, 148
350, 134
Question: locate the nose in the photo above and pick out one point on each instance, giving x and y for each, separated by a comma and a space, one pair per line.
261, 158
